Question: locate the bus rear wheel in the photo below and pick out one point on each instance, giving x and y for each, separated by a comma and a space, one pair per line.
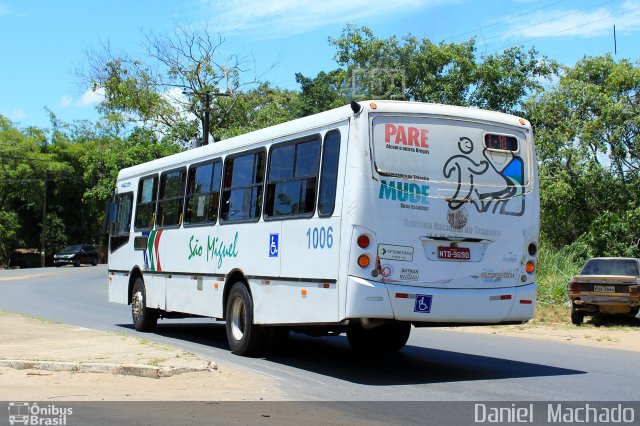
383, 339
244, 337
144, 319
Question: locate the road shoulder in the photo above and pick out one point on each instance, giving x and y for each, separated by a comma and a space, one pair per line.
622, 338
43, 360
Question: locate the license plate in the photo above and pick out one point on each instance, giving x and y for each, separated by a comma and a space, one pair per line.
454, 253
605, 288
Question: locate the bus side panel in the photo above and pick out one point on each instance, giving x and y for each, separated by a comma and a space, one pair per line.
119, 288
310, 248
155, 284
246, 247
198, 296
287, 302
191, 254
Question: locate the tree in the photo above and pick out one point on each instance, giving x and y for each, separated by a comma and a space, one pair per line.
420, 70
10, 227
28, 168
168, 88
258, 108
102, 163
586, 130
325, 91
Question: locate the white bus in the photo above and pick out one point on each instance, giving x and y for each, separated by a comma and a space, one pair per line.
365, 219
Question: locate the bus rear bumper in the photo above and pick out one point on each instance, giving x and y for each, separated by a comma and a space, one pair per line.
368, 299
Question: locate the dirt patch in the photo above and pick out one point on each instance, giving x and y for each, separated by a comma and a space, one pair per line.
552, 323
225, 385
32, 339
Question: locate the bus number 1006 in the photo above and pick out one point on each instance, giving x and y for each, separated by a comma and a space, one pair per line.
320, 238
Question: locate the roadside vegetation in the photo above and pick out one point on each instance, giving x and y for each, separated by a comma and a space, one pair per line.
586, 121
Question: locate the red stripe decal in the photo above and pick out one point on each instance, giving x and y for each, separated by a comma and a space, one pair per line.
155, 244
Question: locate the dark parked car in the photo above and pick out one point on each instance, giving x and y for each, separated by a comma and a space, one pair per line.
75, 255
610, 285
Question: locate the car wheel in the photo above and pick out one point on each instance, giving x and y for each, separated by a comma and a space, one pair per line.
94, 261
577, 317
76, 263
144, 318
244, 337
383, 339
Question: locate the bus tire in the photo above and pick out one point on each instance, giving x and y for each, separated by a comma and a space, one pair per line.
244, 337
144, 318
383, 339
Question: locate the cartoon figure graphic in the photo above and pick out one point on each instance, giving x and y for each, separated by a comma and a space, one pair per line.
498, 177
464, 169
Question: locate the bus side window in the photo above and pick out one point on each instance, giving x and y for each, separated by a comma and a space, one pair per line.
171, 197
146, 203
329, 177
242, 192
293, 179
122, 222
203, 193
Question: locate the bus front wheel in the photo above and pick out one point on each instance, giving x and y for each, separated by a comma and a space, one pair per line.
144, 319
385, 338
244, 337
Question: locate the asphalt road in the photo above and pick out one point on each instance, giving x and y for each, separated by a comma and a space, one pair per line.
436, 365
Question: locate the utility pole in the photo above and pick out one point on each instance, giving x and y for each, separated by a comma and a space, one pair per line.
43, 238
207, 96
205, 125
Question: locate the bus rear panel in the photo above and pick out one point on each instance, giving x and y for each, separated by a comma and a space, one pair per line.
447, 214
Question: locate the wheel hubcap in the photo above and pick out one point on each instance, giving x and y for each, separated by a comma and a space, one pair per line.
238, 313
137, 305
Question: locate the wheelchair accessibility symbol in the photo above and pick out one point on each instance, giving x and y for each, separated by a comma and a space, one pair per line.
274, 248
423, 303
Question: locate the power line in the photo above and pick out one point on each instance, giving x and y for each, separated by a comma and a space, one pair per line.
18, 157
48, 179
545, 22
503, 21
568, 29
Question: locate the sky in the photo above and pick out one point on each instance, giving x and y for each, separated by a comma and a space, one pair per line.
43, 43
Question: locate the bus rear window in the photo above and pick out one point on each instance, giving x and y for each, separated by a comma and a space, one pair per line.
500, 142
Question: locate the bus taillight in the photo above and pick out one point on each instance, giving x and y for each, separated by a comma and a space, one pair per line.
530, 267
363, 261
363, 241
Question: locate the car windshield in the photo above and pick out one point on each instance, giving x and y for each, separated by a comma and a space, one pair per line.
627, 267
71, 249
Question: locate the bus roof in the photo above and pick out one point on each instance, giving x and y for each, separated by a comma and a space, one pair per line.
326, 118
